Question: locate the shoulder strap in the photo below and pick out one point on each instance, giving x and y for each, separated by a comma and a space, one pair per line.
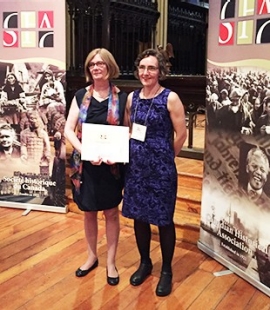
79, 95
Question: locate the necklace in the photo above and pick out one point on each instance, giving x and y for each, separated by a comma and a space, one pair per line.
157, 91
101, 94
151, 104
138, 131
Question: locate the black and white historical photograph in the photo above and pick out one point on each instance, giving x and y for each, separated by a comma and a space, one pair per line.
32, 143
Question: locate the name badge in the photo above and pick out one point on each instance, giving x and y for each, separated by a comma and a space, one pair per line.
138, 132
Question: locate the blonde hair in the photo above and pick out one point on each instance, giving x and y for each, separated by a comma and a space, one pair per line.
107, 57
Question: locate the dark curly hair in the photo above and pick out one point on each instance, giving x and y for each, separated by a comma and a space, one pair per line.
163, 69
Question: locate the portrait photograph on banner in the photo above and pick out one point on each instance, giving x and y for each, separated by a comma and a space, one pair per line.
32, 105
235, 211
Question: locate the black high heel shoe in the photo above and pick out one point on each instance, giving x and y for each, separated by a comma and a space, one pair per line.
82, 273
112, 280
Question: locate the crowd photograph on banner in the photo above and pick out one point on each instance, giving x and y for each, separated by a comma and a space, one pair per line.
32, 144
235, 216
238, 100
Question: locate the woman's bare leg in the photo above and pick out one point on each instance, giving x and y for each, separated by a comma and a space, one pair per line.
91, 234
112, 235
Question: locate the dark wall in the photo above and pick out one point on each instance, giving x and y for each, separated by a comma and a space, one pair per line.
191, 89
128, 27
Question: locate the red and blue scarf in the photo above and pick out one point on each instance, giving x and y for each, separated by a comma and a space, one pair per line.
112, 119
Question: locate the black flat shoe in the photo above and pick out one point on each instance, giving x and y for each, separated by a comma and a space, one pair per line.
82, 273
141, 274
164, 286
112, 280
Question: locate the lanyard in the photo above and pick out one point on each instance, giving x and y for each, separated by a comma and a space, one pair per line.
146, 113
137, 102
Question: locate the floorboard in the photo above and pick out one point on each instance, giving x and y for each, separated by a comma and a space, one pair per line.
42, 250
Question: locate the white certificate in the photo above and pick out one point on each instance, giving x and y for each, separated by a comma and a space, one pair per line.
105, 141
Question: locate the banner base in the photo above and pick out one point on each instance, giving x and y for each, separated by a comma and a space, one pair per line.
233, 268
33, 207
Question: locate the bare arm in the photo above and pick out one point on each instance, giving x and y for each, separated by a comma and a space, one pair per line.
71, 124
177, 114
127, 121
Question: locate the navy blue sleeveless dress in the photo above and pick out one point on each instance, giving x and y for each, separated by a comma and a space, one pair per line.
151, 176
100, 189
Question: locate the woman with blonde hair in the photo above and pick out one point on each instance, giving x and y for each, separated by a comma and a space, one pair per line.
98, 184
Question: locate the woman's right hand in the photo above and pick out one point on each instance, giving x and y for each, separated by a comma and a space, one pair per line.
96, 162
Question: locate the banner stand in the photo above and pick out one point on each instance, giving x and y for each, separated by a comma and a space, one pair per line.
33, 105
235, 204
233, 268
32, 207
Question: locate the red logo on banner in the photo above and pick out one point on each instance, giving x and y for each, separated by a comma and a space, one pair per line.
226, 33
45, 19
242, 29
10, 38
27, 26
263, 7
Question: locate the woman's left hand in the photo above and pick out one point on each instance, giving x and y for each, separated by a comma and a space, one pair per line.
96, 162
108, 162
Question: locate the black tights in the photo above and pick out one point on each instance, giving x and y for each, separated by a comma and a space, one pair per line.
167, 243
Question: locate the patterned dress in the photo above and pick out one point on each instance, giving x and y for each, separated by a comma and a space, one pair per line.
151, 176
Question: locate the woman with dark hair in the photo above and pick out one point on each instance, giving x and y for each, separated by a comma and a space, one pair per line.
52, 96
156, 118
97, 184
52, 91
13, 88
15, 95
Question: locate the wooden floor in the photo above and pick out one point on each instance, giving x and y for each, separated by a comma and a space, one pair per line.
39, 253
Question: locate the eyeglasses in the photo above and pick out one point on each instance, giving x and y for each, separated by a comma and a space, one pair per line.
150, 69
99, 64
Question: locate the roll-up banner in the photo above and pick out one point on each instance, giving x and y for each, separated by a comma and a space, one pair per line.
32, 105
235, 210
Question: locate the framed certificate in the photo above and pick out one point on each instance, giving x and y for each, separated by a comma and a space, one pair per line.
105, 141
